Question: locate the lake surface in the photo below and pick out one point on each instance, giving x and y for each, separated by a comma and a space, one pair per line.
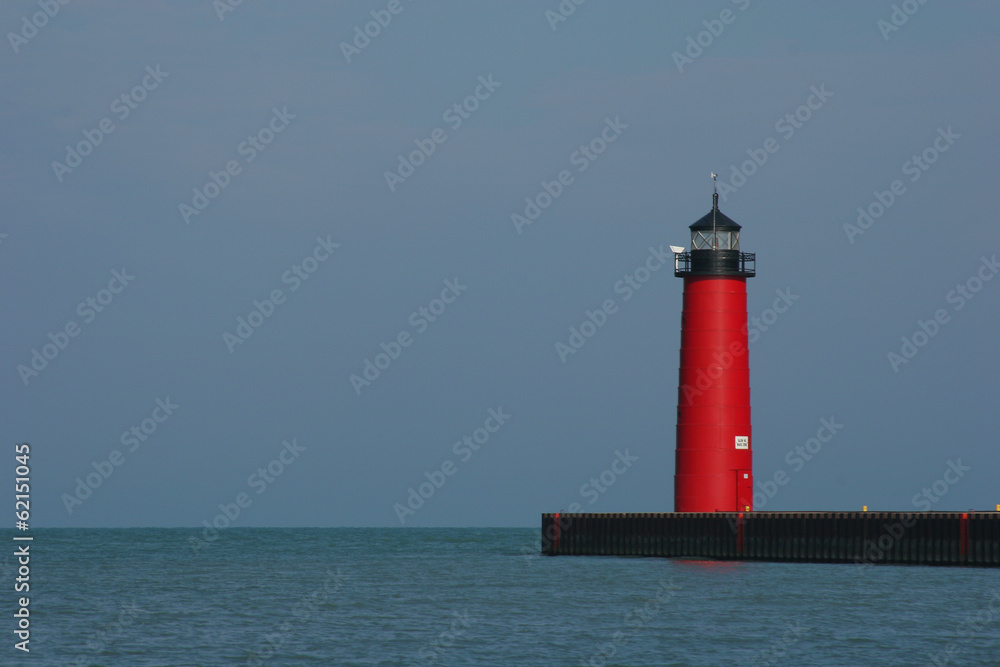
374, 596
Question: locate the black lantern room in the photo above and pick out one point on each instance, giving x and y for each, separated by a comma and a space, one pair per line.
715, 248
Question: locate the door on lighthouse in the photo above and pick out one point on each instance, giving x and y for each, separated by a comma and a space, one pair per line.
744, 490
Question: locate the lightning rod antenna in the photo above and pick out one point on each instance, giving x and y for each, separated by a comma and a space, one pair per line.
715, 207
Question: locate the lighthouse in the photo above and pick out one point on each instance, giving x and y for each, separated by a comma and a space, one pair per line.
713, 513
714, 470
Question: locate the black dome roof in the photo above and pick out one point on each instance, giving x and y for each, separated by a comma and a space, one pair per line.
722, 222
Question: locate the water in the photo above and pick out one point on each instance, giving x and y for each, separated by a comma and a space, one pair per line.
475, 597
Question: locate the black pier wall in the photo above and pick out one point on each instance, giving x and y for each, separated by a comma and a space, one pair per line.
916, 538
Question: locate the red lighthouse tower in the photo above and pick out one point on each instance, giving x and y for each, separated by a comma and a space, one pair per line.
714, 442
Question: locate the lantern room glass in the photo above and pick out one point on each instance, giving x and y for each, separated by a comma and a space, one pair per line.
717, 240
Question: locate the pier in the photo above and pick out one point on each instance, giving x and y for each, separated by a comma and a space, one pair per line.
900, 538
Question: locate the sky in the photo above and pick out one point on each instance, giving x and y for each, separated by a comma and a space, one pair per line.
320, 263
